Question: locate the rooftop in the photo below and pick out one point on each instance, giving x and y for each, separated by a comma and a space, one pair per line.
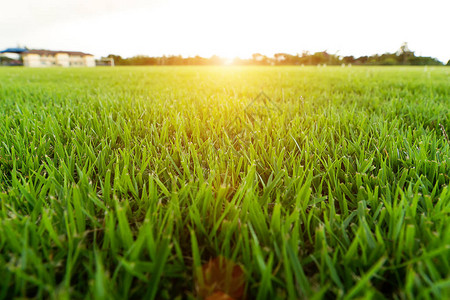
52, 52
14, 50
42, 51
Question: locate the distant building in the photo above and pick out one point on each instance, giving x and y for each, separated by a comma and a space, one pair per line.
48, 58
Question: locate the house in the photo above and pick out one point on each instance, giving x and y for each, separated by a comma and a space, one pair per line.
48, 58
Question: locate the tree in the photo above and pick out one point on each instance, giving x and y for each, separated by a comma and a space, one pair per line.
259, 59
349, 59
118, 60
404, 53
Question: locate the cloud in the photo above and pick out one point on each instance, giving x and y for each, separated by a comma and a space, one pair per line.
20, 16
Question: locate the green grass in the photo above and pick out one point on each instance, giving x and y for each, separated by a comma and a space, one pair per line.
121, 182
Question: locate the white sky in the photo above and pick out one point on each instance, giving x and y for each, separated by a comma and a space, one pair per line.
227, 28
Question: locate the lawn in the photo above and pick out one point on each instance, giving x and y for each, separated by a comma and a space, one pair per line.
180, 182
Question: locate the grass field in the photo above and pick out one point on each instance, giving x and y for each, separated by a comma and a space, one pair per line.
153, 183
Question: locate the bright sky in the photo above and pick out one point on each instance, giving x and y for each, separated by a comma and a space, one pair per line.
227, 28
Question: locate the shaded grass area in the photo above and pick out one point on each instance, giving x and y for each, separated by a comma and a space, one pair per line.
122, 182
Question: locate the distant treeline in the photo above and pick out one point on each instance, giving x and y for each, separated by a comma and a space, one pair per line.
403, 56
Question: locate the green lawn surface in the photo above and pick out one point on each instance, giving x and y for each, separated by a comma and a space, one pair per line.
123, 183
